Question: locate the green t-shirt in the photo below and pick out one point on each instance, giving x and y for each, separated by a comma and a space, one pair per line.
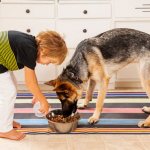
17, 50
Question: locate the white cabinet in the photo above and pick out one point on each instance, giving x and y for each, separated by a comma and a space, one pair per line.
133, 14
66, 61
84, 10
132, 8
78, 20
141, 25
17, 10
131, 73
29, 26
31, 16
75, 20
75, 30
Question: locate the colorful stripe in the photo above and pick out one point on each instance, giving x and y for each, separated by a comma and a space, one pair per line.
89, 130
88, 110
7, 57
110, 100
83, 122
119, 115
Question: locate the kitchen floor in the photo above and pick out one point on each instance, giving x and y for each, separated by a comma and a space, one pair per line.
79, 141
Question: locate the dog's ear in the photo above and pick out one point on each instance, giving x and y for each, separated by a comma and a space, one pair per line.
51, 83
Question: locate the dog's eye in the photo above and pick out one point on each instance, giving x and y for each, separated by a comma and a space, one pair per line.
67, 95
66, 91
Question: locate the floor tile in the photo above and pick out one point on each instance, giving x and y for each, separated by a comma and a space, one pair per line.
124, 146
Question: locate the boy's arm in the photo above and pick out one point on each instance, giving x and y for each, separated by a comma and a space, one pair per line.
32, 84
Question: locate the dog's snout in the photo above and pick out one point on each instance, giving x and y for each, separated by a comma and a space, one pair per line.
68, 108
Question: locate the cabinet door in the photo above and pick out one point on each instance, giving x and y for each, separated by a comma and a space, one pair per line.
74, 31
66, 61
33, 27
16, 10
138, 25
84, 10
130, 73
132, 8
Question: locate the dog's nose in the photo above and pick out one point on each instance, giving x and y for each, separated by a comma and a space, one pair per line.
68, 108
66, 114
74, 108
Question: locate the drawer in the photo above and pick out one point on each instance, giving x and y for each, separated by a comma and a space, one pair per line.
138, 25
74, 31
27, 25
84, 10
132, 8
27, 10
27, 1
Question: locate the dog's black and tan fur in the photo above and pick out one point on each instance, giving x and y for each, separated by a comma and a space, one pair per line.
95, 60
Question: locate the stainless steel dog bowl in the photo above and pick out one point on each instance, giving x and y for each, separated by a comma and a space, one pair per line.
61, 127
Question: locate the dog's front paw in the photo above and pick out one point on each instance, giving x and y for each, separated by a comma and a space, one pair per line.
82, 106
93, 119
144, 124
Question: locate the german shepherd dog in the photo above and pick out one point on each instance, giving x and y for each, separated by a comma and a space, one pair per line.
95, 60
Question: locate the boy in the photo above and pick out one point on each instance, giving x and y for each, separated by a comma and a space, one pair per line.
19, 50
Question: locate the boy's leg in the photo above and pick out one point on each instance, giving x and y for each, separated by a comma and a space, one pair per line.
7, 100
15, 124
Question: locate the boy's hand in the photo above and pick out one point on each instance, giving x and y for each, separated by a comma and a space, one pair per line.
44, 107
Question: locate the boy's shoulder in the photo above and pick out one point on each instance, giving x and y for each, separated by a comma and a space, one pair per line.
20, 35
20, 38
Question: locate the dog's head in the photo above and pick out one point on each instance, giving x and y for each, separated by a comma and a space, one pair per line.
67, 93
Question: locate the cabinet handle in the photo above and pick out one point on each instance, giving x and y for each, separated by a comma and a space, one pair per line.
84, 30
146, 4
145, 11
144, 8
28, 30
85, 11
27, 11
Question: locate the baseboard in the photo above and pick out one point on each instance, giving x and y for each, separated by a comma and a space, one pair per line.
128, 84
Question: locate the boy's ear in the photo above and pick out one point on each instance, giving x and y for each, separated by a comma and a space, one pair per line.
51, 83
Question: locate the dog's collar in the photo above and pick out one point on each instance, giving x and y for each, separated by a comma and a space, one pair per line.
75, 80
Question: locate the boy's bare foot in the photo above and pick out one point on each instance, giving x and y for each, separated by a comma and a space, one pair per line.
16, 125
13, 135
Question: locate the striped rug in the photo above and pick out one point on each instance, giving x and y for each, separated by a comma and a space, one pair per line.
121, 114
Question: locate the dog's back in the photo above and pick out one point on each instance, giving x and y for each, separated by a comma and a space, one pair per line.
118, 45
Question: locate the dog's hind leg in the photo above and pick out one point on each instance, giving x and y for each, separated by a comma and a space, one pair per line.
100, 100
145, 80
89, 94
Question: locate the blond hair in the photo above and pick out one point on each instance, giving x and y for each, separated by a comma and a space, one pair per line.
52, 45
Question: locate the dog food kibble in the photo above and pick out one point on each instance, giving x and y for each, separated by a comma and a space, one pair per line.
61, 119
